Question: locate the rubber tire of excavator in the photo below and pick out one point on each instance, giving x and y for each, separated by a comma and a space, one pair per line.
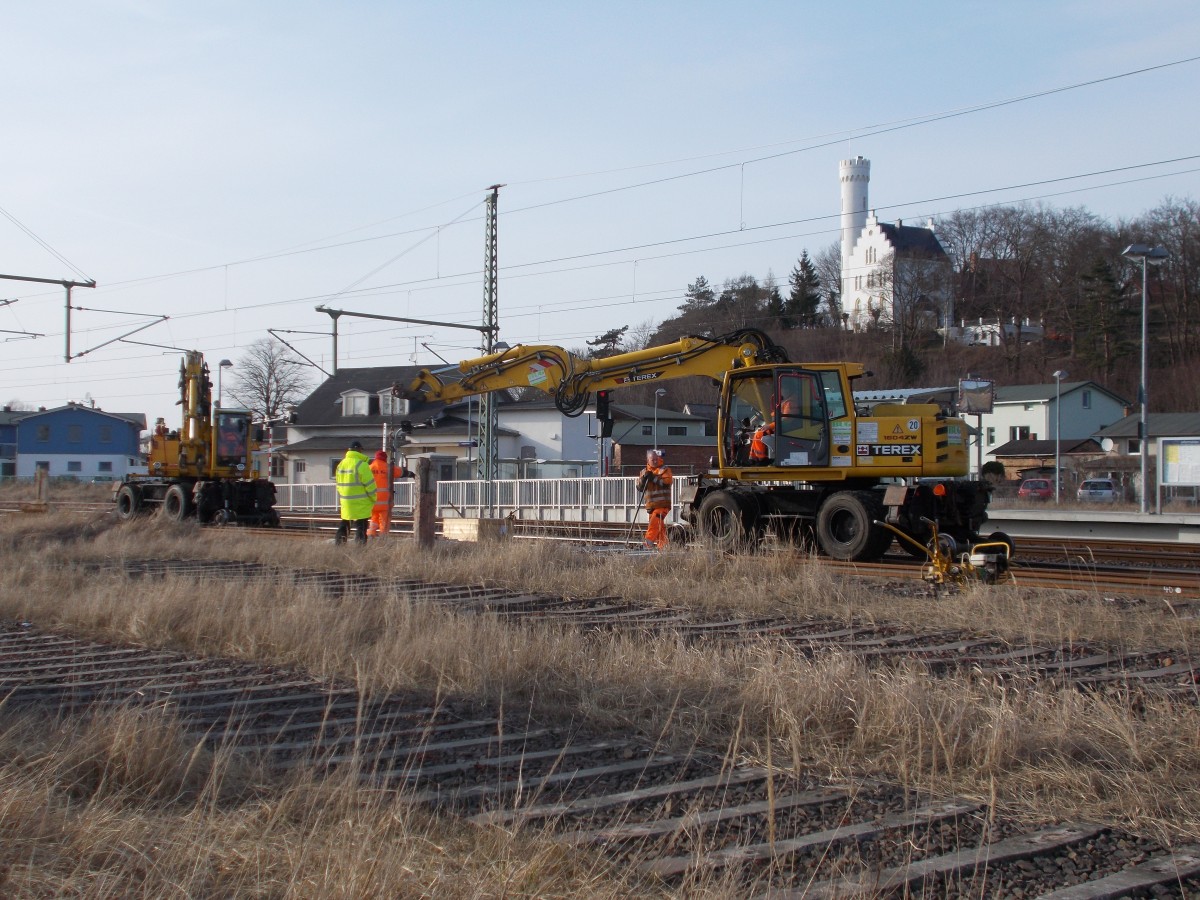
846, 527
177, 504
725, 521
129, 502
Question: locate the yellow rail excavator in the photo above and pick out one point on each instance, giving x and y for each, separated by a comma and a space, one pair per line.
829, 473
206, 468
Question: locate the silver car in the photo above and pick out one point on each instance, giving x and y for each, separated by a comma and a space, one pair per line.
1097, 490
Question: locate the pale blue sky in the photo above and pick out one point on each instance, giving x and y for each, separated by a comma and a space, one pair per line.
162, 147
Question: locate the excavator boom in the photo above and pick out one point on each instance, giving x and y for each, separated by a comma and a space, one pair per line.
570, 379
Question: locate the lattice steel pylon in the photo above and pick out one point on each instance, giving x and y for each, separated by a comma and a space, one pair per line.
489, 443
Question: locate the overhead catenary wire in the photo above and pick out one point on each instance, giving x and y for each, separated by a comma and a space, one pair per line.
515, 271
644, 298
849, 133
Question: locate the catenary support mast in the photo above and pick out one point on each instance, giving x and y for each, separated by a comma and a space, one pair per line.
489, 450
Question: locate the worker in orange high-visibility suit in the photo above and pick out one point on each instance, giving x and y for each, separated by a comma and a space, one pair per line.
381, 514
655, 484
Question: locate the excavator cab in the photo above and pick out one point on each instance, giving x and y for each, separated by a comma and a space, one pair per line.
784, 417
233, 440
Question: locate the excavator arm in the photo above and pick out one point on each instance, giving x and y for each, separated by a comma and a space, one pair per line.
571, 379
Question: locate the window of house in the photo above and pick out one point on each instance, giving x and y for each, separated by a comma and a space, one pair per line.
991, 436
1085, 399
676, 430
43, 433
355, 403
74, 465
647, 429
106, 434
277, 465
74, 434
298, 468
1135, 445
1018, 433
43, 464
333, 464
104, 466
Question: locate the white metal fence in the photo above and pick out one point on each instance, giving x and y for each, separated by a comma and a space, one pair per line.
548, 499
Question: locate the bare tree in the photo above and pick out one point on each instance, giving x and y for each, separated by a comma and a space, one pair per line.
828, 263
268, 379
640, 336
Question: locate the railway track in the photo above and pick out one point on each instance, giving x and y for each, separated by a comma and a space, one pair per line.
1171, 671
1147, 569
1144, 569
675, 818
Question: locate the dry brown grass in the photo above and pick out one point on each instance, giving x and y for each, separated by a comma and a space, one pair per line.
1038, 751
128, 807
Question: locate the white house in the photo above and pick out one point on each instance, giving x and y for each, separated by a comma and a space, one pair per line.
534, 439
893, 275
1032, 412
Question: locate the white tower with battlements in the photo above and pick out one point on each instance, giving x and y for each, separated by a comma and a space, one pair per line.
855, 176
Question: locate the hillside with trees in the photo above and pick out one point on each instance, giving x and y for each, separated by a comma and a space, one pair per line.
1061, 269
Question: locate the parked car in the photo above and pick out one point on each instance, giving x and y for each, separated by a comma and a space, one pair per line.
1097, 490
1036, 489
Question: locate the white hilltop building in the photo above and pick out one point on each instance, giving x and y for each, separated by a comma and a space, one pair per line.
894, 276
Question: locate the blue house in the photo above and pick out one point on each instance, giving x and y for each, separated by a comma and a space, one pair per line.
78, 442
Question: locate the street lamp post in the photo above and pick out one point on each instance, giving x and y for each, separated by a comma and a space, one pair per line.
1059, 375
221, 367
661, 392
1149, 256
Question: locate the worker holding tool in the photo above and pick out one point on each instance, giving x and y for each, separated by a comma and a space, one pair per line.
655, 484
381, 513
356, 494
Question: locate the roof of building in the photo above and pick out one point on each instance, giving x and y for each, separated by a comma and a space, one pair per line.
323, 407
138, 419
1034, 393
1158, 425
1041, 448
640, 411
912, 240
707, 411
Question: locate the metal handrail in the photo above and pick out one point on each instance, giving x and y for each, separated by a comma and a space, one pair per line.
536, 499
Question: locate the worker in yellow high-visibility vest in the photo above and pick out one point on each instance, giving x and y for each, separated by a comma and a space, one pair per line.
356, 494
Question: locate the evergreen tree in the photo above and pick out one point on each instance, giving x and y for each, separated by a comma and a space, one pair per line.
776, 309
607, 344
1110, 321
804, 299
699, 296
